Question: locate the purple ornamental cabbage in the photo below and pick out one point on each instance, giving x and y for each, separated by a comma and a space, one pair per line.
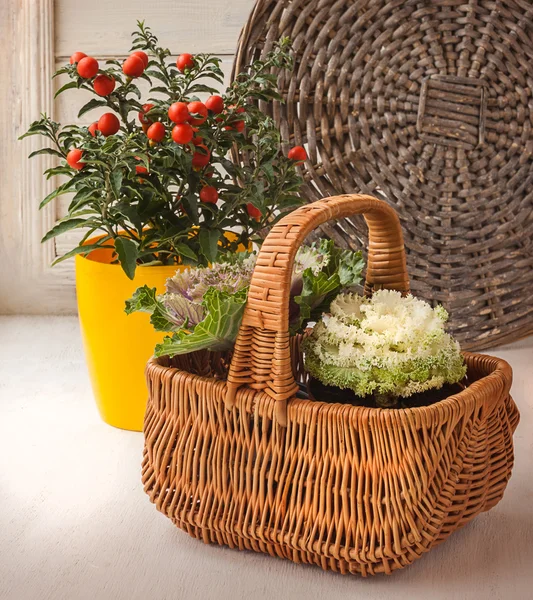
202, 307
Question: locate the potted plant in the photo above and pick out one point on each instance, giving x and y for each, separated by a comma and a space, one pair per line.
154, 190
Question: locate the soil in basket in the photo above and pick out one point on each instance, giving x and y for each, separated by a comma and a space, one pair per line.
326, 393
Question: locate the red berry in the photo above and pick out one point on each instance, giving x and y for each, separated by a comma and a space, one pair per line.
142, 55
103, 85
178, 112
108, 124
197, 139
209, 194
185, 61
87, 67
93, 128
76, 57
236, 109
133, 66
73, 158
181, 207
197, 108
140, 169
201, 159
156, 132
253, 211
142, 115
238, 126
297, 153
215, 104
182, 133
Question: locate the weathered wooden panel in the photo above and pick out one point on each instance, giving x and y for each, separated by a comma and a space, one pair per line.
103, 27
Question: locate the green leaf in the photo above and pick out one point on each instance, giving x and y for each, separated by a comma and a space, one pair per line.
135, 90
67, 86
127, 255
156, 74
77, 250
200, 88
145, 299
351, 266
46, 151
190, 202
337, 271
116, 182
160, 319
208, 239
63, 226
83, 196
160, 90
94, 103
131, 213
29, 133
62, 189
36, 128
65, 69
185, 250
317, 293
57, 171
139, 156
217, 331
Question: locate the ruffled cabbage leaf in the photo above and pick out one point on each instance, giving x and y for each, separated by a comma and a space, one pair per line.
217, 331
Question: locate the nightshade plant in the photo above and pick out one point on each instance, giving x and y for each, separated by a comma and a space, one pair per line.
202, 307
388, 346
155, 181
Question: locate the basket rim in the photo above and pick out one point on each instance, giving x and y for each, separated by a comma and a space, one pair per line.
499, 376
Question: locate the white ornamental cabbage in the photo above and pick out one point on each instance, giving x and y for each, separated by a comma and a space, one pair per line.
385, 345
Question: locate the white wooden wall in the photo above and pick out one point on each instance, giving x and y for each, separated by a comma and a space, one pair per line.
42, 34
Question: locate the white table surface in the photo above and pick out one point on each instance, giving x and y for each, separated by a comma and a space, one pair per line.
75, 523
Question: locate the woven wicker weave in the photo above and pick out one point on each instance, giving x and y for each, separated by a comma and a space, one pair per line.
348, 488
428, 105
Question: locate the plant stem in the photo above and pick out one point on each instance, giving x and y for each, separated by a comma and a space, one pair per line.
106, 203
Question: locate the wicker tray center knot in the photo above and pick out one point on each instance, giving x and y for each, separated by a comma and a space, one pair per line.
451, 111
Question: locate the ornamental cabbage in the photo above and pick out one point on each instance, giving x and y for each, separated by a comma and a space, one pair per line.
203, 306
388, 345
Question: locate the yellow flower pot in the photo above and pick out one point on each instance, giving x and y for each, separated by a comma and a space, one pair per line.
117, 346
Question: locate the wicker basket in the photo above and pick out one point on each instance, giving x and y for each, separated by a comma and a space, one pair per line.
427, 105
348, 488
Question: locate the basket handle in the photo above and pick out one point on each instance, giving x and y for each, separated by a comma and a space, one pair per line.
261, 358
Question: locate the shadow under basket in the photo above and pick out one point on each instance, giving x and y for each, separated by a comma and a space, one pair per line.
348, 488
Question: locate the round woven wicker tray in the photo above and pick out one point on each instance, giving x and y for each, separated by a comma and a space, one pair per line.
429, 106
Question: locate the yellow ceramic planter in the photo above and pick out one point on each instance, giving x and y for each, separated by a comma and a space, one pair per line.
117, 346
